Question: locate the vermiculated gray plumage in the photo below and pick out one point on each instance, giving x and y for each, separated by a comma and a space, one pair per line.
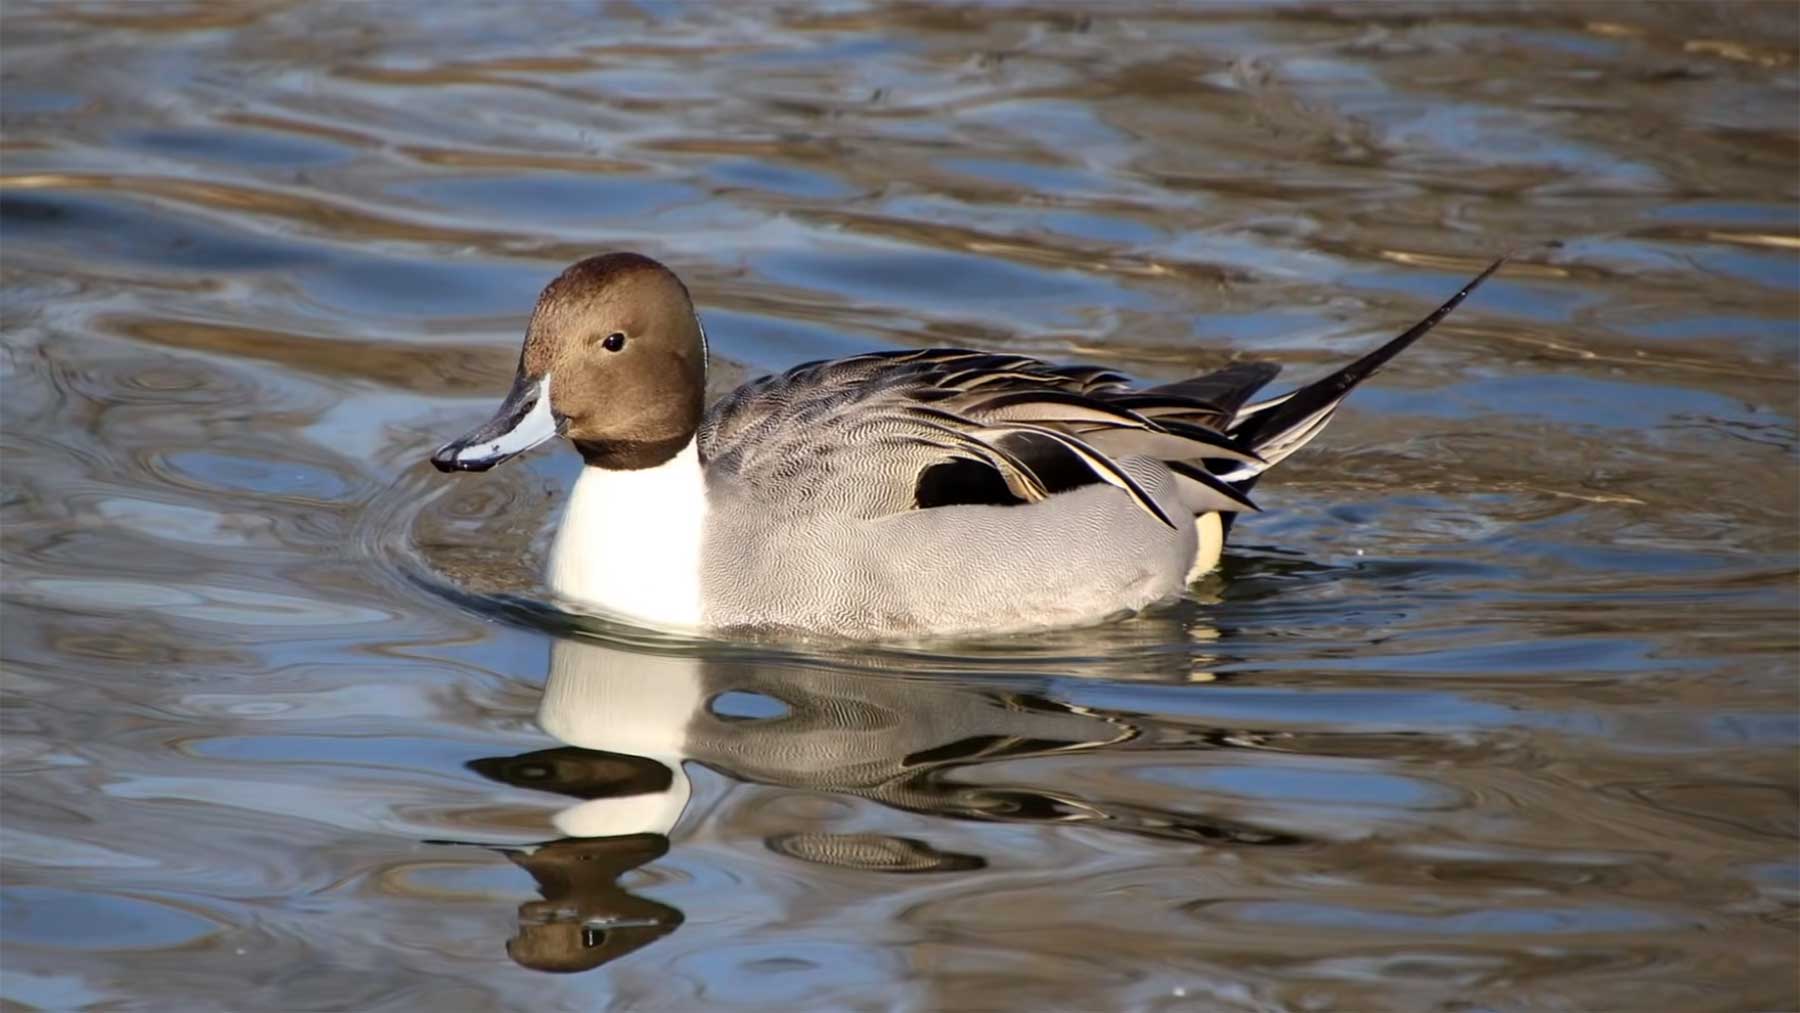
815, 520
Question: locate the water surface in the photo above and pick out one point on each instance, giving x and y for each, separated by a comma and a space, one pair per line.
1494, 707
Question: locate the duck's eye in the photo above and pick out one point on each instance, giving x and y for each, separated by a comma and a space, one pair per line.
614, 341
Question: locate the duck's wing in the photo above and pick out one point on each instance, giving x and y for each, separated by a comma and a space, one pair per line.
893, 431
1224, 390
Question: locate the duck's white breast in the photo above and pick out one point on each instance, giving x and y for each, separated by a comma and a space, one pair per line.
630, 542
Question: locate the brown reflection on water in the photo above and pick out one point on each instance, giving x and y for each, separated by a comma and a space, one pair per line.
1496, 704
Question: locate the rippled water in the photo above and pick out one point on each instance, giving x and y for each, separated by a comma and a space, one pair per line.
1495, 707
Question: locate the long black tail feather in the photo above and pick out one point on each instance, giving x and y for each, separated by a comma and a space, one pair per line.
1273, 425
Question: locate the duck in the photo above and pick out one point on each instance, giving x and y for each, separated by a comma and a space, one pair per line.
897, 494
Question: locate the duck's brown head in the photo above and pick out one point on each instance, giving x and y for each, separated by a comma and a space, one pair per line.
614, 361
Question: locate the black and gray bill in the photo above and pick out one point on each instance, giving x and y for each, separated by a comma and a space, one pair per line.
523, 421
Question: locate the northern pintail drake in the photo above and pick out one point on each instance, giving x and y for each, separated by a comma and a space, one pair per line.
906, 493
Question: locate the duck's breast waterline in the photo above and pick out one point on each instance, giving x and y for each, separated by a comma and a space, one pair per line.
630, 542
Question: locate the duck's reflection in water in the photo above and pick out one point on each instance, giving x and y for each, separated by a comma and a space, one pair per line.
633, 717
585, 918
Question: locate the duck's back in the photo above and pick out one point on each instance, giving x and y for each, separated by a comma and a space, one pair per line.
852, 436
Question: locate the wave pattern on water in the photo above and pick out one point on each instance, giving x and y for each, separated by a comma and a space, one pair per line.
1493, 707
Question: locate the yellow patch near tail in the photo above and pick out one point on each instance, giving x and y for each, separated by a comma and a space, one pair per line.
1211, 544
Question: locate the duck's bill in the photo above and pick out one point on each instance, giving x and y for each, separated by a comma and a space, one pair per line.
523, 421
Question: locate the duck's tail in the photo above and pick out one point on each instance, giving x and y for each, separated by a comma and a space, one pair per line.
1277, 427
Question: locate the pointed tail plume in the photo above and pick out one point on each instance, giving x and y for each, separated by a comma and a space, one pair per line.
1281, 425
